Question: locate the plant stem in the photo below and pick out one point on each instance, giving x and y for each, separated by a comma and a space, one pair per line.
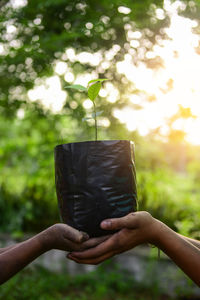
95, 120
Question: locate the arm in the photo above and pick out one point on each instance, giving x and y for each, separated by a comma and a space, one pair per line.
138, 228
16, 257
59, 236
183, 251
6, 248
192, 241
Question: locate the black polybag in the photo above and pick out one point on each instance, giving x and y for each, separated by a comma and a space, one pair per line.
95, 180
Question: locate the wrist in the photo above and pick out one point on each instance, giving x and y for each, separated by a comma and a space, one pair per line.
45, 239
157, 230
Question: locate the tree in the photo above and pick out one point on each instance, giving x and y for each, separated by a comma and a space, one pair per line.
35, 36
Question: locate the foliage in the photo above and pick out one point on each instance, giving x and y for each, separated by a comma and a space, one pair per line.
166, 188
168, 185
27, 193
46, 30
51, 31
171, 198
102, 284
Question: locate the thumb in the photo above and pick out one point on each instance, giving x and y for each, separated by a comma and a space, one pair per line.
119, 223
75, 235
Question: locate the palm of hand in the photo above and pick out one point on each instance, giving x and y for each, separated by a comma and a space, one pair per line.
137, 228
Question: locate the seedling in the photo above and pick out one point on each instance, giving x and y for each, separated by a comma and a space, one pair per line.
93, 88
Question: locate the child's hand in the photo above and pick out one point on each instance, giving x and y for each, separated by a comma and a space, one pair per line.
134, 229
63, 237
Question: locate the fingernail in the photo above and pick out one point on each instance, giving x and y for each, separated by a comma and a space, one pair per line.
85, 235
106, 224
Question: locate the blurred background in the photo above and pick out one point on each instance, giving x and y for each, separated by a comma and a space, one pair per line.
150, 53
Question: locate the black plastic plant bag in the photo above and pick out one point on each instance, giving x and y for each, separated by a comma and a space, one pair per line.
95, 180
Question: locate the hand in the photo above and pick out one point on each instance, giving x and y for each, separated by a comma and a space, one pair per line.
63, 237
135, 228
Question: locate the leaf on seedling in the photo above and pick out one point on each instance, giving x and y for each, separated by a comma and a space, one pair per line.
95, 80
76, 87
98, 113
93, 90
86, 118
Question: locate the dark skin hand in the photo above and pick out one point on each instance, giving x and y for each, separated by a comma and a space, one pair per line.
138, 228
59, 236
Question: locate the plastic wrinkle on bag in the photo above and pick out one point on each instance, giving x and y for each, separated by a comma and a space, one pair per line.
95, 180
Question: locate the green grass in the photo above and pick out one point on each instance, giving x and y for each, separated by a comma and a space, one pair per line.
106, 283
99, 285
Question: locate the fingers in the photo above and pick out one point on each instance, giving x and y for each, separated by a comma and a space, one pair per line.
93, 242
71, 246
74, 235
128, 221
105, 247
84, 236
91, 261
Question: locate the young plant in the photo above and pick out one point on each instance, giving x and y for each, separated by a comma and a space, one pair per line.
93, 88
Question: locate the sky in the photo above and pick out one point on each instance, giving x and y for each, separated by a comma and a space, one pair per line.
181, 69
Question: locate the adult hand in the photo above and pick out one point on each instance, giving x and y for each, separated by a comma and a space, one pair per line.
135, 228
63, 237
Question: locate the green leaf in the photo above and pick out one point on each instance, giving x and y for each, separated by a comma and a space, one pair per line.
98, 113
95, 80
86, 118
76, 87
93, 90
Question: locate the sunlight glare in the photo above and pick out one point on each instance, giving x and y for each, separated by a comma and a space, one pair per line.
49, 94
87, 104
61, 68
176, 84
2, 49
124, 10
69, 77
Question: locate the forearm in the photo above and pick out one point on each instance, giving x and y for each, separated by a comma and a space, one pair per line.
183, 251
192, 241
7, 248
15, 258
